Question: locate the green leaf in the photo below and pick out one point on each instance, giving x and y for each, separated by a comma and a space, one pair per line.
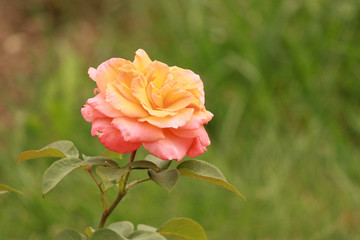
162, 164
124, 228
166, 179
205, 171
70, 235
146, 235
106, 234
98, 160
111, 154
4, 189
143, 164
57, 171
182, 228
144, 227
109, 173
108, 184
58, 149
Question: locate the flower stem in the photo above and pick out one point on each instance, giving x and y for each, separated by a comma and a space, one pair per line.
108, 211
122, 192
132, 157
96, 181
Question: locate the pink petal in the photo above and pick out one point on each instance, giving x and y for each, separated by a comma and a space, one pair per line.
169, 148
198, 118
134, 131
111, 137
90, 114
199, 133
196, 148
98, 102
92, 73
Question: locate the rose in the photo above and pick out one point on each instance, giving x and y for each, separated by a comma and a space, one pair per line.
148, 103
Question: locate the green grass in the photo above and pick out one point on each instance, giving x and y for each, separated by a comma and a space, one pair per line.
282, 79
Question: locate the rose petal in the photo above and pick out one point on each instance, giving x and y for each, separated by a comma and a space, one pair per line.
111, 137
139, 90
176, 99
157, 72
199, 133
134, 131
182, 117
90, 114
157, 100
141, 59
118, 101
198, 118
108, 71
92, 73
98, 102
169, 148
123, 84
196, 148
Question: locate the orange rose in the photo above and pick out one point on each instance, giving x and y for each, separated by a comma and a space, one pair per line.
148, 103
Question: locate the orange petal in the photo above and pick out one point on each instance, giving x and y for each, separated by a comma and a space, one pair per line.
141, 59
187, 79
158, 100
139, 90
107, 72
118, 101
154, 95
125, 90
180, 119
158, 73
176, 99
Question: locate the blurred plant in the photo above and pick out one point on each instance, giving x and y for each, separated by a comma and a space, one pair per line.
5, 189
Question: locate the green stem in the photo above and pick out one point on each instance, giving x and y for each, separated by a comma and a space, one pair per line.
96, 181
122, 192
136, 182
108, 211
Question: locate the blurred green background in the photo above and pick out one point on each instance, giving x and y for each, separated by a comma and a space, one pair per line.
282, 78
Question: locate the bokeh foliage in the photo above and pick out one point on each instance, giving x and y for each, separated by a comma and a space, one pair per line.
282, 78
